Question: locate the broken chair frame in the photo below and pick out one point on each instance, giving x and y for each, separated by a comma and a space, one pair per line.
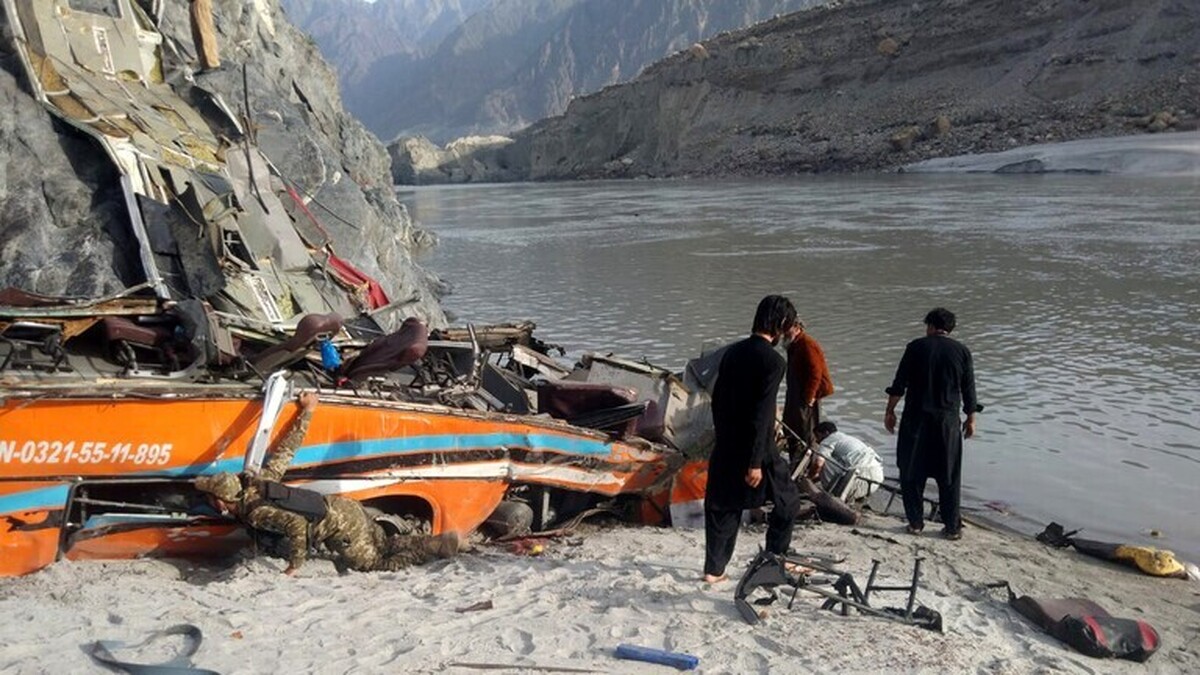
769, 571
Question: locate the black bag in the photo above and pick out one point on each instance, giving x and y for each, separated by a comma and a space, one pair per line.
1108, 636
1088, 627
307, 503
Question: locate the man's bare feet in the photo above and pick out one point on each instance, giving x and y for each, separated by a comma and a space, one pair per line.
715, 579
797, 569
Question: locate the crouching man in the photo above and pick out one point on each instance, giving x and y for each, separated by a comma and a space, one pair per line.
306, 518
842, 462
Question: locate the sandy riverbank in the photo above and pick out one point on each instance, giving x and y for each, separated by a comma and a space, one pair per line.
1175, 154
571, 606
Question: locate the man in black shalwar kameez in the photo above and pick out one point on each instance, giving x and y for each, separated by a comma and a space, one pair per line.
745, 469
936, 379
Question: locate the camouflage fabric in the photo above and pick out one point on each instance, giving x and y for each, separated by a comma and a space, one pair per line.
359, 543
256, 513
347, 531
224, 486
278, 464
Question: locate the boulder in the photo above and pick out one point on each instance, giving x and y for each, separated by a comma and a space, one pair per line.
903, 140
471, 159
888, 46
1159, 121
940, 126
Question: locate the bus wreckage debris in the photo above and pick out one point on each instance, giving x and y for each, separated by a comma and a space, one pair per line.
770, 571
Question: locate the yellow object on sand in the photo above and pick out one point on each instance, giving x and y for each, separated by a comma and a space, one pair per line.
1152, 561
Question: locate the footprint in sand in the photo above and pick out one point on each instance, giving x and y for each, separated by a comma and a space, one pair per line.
624, 631
517, 640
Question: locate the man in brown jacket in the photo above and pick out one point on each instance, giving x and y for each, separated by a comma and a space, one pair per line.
808, 382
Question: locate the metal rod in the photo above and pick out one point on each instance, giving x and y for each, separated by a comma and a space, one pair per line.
124, 505
912, 593
842, 600
871, 581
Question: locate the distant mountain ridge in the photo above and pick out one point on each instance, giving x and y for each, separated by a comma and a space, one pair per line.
510, 62
876, 84
862, 85
354, 34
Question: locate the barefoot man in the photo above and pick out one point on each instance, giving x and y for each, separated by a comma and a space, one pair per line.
745, 469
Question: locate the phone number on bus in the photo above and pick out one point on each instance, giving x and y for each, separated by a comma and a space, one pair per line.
85, 452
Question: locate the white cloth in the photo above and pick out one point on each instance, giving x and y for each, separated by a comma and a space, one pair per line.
844, 453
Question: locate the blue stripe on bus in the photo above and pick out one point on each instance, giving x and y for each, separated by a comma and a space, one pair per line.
56, 497
37, 499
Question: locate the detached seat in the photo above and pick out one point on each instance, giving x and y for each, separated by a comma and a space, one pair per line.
389, 353
309, 331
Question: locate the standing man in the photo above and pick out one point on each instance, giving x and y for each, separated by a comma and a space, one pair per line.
204, 35
936, 379
808, 382
745, 470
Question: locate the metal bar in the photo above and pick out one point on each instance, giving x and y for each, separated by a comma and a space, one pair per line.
124, 505
912, 593
145, 252
871, 581
842, 600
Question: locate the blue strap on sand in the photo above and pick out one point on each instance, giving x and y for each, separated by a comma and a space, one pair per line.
675, 659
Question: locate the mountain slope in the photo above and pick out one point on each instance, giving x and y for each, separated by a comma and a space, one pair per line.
873, 84
520, 60
355, 34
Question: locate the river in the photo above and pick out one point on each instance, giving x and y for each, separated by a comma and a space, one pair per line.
1078, 295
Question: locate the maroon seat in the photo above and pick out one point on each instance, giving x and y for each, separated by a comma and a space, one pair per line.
125, 339
309, 330
391, 352
120, 329
570, 400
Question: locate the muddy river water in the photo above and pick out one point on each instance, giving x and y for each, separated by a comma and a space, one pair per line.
1079, 296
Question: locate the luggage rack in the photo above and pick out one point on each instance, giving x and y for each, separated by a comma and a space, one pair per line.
769, 571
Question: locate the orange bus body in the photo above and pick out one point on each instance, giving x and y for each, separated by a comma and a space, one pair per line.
459, 463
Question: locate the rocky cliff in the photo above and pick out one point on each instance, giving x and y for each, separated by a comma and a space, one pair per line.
517, 61
354, 35
876, 84
64, 227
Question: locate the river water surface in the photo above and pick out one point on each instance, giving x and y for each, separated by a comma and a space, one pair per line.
1078, 295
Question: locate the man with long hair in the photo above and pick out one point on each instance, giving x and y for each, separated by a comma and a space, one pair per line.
746, 470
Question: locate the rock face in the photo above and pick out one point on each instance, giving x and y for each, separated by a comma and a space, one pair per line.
64, 227
61, 210
517, 61
356, 34
874, 84
471, 159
